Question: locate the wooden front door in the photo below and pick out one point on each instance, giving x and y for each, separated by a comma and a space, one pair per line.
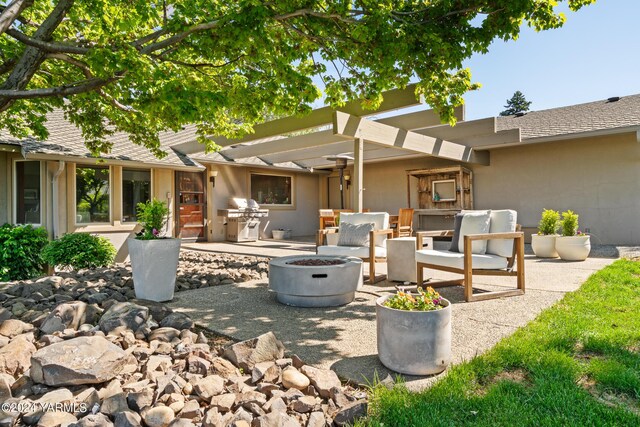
191, 205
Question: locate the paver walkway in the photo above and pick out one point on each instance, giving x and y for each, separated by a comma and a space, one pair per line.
344, 338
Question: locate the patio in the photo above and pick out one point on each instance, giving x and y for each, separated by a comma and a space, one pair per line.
344, 338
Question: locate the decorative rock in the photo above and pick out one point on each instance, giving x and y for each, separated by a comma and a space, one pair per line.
160, 416
198, 365
70, 315
224, 368
209, 386
139, 400
212, 418
55, 419
292, 378
316, 419
5, 387
177, 321
59, 396
127, 419
181, 422
12, 328
115, 404
348, 414
322, 379
191, 410
304, 404
84, 360
246, 354
275, 419
164, 334
3, 341
124, 315
15, 357
223, 402
93, 420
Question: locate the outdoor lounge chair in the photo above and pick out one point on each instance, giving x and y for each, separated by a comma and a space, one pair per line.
504, 246
402, 224
374, 251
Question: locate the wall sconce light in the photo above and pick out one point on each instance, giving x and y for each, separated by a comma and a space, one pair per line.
347, 180
212, 177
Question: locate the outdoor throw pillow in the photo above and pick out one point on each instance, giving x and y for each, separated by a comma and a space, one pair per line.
354, 234
476, 222
502, 221
457, 223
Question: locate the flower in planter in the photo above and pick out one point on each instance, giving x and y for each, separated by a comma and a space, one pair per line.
426, 300
152, 215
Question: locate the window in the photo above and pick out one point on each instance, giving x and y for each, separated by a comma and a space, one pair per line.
92, 195
136, 188
271, 189
28, 193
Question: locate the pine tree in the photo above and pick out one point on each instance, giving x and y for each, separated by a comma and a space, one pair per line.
517, 104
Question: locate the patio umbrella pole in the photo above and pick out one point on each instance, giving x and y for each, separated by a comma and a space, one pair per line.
341, 188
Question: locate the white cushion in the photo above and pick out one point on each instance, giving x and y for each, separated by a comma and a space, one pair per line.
476, 222
456, 259
354, 234
502, 221
380, 219
357, 251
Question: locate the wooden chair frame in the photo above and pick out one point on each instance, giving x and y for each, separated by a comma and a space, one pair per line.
371, 259
517, 257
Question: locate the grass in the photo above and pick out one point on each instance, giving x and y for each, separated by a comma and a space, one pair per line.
577, 364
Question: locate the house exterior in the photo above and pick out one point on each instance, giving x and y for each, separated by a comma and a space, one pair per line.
584, 157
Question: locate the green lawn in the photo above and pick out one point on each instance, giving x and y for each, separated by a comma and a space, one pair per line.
577, 364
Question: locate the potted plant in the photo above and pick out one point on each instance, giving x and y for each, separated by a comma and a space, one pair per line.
573, 245
544, 243
154, 258
414, 332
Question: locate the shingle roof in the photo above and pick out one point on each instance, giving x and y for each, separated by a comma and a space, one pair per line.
67, 140
576, 119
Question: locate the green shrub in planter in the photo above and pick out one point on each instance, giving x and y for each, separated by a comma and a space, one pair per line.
569, 223
79, 250
152, 215
549, 222
20, 247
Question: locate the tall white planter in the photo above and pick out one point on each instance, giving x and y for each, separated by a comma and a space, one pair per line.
154, 264
573, 248
544, 246
413, 342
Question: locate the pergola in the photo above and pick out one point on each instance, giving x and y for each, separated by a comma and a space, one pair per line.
351, 130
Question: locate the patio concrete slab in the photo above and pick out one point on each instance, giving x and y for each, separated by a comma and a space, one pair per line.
344, 338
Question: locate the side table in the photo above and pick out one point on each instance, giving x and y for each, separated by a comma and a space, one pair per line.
401, 258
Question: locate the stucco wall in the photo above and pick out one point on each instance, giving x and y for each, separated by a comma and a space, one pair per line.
234, 182
598, 178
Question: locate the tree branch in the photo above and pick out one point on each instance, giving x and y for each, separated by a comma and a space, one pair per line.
72, 89
311, 12
45, 45
12, 12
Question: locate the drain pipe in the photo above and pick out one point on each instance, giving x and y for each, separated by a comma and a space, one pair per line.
54, 197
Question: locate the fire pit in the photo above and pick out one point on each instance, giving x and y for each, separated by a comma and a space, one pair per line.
315, 280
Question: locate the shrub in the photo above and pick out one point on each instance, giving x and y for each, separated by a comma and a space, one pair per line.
569, 223
153, 216
426, 300
79, 250
549, 222
20, 251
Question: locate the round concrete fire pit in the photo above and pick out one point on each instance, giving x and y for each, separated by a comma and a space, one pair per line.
315, 280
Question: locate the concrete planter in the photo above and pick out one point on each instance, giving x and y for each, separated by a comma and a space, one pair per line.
544, 246
413, 342
318, 285
154, 264
573, 248
281, 234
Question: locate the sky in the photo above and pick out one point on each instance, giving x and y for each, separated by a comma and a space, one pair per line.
595, 55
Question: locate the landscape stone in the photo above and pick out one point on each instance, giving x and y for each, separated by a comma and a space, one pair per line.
84, 360
70, 315
114, 404
141, 399
177, 320
56, 419
348, 414
316, 419
322, 379
93, 420
127, 419
125, 315
160, 416
13, 327
263, 348
292, 378
223, 402
209, 386
15, 357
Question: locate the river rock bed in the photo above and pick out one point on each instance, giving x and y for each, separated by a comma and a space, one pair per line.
78, 349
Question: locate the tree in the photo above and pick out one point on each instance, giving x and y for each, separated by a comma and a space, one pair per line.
144, 67
517, 104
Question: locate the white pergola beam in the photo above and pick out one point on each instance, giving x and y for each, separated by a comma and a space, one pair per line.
461, 131
357, 127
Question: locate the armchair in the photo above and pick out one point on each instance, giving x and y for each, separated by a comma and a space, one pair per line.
376, 251
505, 247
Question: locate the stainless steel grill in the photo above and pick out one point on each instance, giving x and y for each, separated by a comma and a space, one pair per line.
243, 222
